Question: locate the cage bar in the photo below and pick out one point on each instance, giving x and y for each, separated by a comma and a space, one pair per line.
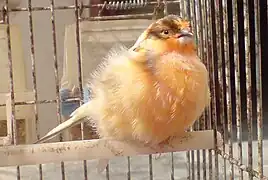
12, 101
33, 60
215, 85
258, 62
248, 58
209, 66
77, 17
237, 83
222, 77
56, 75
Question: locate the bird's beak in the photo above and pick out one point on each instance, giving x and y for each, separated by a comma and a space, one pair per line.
185, 33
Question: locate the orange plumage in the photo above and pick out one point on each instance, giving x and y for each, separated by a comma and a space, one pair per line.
150, 93
136, 103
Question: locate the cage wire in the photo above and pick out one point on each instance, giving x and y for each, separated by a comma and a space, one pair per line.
230, 40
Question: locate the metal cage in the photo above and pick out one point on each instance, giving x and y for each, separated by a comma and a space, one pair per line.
231, 37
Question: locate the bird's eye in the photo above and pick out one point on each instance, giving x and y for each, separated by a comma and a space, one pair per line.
166, 32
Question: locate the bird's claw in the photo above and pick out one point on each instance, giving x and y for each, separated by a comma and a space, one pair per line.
157, 156
161, 146
167, 142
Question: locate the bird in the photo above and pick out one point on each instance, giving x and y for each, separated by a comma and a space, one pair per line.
149, 93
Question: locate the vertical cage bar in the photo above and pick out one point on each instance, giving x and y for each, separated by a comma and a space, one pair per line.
196, 13
56, 74
188, 165
195, 6
107, 168
80, 80
222, 75
179, 9
202, 12
187, 9
150, 157
209, 65
219, 73
227, 4
259, 87
11, 78
190, 16
227, 61
165, 11
248, 88
172, 167
189, 154
214, 81
107, 172
151, 167
172, 174
192, 165
33, 60
237, 85
182, 14
128, 168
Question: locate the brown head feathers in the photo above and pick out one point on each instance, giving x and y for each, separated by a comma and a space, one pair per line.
167, 26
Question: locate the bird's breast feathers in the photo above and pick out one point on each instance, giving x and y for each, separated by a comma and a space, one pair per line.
174, 96
154, 104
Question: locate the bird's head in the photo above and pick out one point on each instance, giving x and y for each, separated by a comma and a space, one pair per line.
171, 33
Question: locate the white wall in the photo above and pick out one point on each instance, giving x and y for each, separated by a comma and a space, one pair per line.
44, 53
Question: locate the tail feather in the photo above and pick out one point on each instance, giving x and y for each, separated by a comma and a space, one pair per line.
76, 117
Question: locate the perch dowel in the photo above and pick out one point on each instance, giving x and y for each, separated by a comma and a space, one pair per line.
98, 148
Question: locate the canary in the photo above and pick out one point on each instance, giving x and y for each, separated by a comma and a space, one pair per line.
149, 93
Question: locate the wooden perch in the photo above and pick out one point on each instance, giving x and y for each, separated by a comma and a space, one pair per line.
98, 148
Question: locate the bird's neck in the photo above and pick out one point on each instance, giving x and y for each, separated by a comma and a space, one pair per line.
173, 46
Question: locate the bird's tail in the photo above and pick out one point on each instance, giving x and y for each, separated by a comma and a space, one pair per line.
76, 117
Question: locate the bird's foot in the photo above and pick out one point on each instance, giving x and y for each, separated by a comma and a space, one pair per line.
157, 156
166, 142
161, 146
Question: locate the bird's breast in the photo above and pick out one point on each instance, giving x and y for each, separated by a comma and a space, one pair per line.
150, 106
172, 98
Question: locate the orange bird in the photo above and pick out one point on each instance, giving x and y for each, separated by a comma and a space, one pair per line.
149, 93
